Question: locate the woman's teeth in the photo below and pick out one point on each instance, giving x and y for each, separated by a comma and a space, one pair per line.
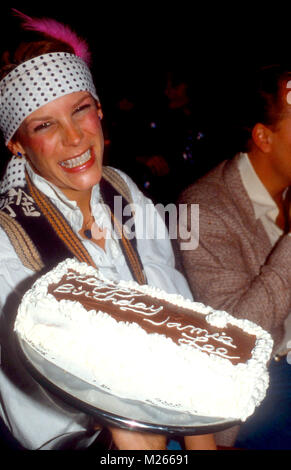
74, 162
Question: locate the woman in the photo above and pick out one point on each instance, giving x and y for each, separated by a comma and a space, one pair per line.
55, 184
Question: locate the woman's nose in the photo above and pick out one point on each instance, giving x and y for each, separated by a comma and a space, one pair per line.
72, 134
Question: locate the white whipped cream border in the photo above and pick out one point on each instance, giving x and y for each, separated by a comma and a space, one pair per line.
253, 370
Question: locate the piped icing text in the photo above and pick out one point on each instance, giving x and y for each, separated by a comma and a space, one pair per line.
154, 315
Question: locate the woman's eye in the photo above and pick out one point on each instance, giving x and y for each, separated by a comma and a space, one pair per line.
42, 126
83, 107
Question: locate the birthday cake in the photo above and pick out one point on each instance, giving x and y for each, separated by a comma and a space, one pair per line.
140, 343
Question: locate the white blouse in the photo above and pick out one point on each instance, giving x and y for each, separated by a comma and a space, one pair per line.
35, 417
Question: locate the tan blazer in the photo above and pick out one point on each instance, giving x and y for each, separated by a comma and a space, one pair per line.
235, 267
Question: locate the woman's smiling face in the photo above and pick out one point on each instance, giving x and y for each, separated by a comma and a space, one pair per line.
63, 141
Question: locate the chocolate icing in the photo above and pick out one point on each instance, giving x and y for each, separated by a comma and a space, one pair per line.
154, 315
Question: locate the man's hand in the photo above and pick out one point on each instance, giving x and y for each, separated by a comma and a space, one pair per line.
131, 440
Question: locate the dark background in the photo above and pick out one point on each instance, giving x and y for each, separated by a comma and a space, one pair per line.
135, 45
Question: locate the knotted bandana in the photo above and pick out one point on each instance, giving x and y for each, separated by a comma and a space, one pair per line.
38, 81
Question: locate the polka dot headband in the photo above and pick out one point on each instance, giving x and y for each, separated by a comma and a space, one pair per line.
37, 82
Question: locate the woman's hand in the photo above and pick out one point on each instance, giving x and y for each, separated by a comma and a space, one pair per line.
201, 442
131, 440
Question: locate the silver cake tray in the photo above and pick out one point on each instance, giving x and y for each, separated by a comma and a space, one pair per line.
111, 410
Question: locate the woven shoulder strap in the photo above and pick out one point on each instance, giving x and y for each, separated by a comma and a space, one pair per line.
59, 224
22, 243
114, 178
112, 185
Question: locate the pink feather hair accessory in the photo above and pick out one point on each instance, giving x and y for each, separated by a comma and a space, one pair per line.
57, 30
